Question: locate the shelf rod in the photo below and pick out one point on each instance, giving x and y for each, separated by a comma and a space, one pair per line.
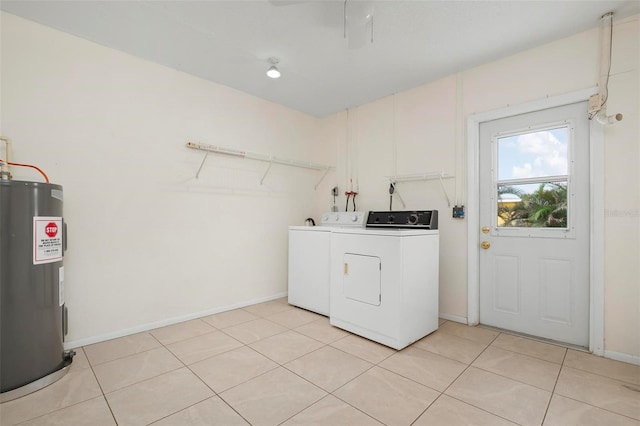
256, 156
419, 176
424, 176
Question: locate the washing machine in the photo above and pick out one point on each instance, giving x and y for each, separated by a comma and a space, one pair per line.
309, 259
384, 277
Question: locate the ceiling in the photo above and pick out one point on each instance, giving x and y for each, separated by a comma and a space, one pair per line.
229, 42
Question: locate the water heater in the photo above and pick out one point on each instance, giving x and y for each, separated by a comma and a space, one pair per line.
33, 316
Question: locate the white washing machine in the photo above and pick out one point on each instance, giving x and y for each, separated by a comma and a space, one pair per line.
384, 278
309, 259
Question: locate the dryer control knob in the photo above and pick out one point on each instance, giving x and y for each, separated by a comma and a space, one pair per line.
354, 218
413, 219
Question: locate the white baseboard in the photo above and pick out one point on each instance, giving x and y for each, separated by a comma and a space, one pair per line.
617, 356
455, 318
169, 321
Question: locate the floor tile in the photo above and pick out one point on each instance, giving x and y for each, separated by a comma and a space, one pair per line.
122, 372
424, 367
364, 348
451, 412
255, 330
387, 397
609, 394
232, 368
605, 367
292, 318
322, 330
268, 308
330, 411
273, 397
451, 346
76, 386
328, 367
89, 413
477, 334
532, 371
153, 399
285, 347
210, 412
515, 401
229, 318
203, 346
181, 331
121, 347
80, 359
564, 411
533, 348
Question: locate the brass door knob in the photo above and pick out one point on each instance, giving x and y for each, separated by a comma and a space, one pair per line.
485, 245
485, 229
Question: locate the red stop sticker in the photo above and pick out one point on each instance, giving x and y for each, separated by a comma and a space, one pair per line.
51, 229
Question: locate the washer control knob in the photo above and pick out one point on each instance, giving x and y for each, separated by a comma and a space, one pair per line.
413, 219
354, 218
326, 217
390, 219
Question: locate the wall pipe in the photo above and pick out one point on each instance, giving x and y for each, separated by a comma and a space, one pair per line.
5, 173
606, 44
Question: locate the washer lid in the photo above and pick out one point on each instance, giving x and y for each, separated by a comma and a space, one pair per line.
309, 228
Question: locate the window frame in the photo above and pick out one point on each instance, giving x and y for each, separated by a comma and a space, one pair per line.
534, 232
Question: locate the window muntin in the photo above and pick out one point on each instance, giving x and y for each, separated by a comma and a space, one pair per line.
532, 171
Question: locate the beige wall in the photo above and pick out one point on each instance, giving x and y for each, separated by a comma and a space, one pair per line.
423, 130
148, 243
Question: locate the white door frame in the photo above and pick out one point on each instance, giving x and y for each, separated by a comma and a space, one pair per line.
596, 197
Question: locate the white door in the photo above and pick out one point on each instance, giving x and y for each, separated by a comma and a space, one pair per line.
534, 223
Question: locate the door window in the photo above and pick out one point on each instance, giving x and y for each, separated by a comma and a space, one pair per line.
532, 181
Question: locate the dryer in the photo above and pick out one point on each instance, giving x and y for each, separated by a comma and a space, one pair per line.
384, 278
309, 260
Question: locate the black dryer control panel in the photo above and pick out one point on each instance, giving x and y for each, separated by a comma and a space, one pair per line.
423, 219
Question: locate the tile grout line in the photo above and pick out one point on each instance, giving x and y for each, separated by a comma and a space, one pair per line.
215, 394
553, 391
584, 402
104, 395
457, 377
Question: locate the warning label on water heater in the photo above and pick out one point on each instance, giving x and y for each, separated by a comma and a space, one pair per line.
47, 239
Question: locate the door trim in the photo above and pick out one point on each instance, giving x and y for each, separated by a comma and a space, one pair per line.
596, 197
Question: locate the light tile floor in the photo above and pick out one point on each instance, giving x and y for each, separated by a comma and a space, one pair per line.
271, 364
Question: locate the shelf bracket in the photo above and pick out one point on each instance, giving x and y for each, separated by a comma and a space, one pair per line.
444, 191
266, 171
326, 172
201, 165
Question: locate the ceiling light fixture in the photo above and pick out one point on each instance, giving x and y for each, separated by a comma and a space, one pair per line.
273, 70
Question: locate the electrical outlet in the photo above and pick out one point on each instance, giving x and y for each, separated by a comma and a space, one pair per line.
458, 212
595, 103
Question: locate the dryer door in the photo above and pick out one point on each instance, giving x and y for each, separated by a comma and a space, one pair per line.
361, 279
